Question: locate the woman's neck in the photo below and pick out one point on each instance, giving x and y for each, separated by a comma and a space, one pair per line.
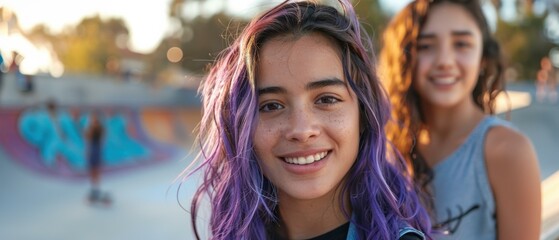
304, 219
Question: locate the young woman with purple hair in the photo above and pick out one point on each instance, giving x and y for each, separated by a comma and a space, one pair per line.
292, 138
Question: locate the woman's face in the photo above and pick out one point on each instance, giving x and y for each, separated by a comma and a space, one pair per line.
307, 135
449, 56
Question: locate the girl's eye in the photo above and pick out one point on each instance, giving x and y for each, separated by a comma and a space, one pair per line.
268, 107
462, 44
327, 100
423, 47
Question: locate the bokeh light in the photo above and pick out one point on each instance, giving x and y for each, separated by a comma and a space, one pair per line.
174, 54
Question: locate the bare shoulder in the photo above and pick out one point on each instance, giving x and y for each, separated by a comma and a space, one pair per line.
513, 172
506, 147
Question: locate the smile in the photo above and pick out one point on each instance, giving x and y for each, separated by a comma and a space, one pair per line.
303, 160
444, 81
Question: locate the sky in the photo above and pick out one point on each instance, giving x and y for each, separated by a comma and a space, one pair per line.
147, 20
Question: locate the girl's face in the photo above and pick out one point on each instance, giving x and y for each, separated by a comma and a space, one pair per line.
449, 56
307, 135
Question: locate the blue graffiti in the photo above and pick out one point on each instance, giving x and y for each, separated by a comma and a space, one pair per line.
60, 134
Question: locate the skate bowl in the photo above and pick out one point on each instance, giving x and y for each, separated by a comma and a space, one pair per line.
55, 144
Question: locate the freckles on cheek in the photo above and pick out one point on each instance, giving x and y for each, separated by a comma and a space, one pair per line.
267, 130
344, 121
338, 121
271, 128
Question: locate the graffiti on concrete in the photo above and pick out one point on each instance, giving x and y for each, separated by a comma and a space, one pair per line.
60, 135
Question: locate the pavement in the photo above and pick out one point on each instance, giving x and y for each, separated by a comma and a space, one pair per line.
144, 205
147, 203
550, 213
540, 123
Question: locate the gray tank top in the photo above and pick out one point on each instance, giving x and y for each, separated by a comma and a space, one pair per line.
464, 202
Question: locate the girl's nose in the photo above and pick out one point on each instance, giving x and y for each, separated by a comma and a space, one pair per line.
445, 56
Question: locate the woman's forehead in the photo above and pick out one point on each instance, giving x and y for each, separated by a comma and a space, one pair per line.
311, 56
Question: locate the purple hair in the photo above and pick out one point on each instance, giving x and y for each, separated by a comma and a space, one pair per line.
243, 202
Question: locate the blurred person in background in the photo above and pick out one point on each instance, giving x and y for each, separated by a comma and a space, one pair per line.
24, 82
292, 135
443, 71
14, 66
2, 67
546, 82
94, 138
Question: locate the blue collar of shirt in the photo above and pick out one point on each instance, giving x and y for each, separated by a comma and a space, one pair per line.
352, 232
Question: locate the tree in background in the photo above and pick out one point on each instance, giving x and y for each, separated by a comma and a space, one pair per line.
524, 44
202, 36
90, 46
84, 48
523, 39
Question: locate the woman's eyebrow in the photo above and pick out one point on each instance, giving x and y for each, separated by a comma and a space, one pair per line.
271, 90
325, 83
310, 86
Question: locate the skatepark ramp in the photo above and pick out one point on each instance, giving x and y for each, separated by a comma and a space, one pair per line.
55, 144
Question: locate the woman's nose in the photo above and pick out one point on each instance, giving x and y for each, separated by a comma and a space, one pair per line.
303, 125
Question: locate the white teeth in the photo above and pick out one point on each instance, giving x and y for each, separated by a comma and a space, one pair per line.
444, 80
316, 157
306, 159
309, 159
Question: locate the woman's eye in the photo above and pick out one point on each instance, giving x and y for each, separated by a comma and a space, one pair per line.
327, 100
268, 107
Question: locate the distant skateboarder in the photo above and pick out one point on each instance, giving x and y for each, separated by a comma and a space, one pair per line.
94, 136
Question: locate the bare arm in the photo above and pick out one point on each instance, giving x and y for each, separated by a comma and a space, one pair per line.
515, 179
